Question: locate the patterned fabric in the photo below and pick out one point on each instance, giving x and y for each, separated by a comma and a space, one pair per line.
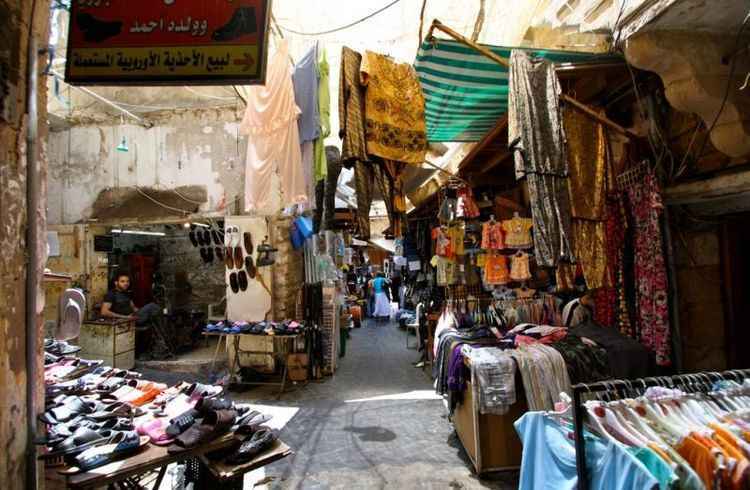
534, 121
394, 115
588, 162
590, 250
519, 267
363, 182
518, 232
492, 236
333, 161
496, 269
351, 110
652, 313
550, 209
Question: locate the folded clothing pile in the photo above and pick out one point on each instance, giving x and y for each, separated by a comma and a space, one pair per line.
288, 327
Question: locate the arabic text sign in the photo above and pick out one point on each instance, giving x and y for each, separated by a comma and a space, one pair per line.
167, 41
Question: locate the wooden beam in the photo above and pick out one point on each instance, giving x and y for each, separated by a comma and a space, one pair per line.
731, 184
495, 132
436, 24
598, 117
496, 160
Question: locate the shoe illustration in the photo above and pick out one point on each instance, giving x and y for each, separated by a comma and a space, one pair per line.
242, 22
97, 30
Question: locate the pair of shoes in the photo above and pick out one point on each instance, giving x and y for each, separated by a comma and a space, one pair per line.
259, 442
238, 281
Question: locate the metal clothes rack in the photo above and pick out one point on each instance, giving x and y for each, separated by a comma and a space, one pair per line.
688, 381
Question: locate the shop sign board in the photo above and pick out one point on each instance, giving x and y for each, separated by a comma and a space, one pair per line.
167, 42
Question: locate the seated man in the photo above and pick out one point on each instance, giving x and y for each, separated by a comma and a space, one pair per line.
117, 304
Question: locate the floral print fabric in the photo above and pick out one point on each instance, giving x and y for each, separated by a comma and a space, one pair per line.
652, 313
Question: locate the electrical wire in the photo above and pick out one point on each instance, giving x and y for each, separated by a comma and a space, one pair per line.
159, 203
732, 66
347, 26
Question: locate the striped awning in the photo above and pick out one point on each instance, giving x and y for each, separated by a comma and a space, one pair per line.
466, 92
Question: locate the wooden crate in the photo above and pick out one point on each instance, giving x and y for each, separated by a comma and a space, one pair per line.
111, 341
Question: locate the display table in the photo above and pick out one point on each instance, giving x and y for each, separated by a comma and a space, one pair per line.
112, 341
157, 458
490, 441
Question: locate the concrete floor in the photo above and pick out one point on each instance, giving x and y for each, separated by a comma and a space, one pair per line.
375, 424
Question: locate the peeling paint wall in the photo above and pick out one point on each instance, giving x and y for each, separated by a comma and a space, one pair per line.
200, 147
15, 20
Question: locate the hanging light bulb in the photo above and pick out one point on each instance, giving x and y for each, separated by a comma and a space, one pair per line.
123, 146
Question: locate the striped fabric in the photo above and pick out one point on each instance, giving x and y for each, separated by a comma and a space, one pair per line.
466, 92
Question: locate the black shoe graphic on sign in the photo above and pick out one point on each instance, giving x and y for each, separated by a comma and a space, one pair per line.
97, 30
242, 22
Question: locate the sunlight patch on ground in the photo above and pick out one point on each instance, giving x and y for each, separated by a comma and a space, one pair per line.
410, 395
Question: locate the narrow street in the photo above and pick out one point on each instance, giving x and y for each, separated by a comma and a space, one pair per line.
376, 424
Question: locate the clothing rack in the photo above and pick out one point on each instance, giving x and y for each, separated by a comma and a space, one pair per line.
688, 381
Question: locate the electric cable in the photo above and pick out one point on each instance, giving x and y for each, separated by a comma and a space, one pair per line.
347, 26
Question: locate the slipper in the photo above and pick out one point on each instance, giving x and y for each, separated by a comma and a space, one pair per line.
115, 410
214, 424
69, 409
233, 283
156, 431
207, 237
219, 252
235, 237
193, 240
250, 267
248, 239
216, 237
209, 255
79, 441
254, 445
238, 257
197, 390
228, 237
228, 259
121, 444
181, 423
242, 280
148, 395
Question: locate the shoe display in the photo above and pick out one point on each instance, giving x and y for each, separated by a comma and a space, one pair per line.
242, 280
250, 267
259, 442
242, 22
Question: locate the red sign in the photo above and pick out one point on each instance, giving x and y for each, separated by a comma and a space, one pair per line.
150, 42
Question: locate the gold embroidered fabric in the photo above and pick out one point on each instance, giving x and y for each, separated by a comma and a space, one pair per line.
351, 107
588, 163
394, 110
590, 248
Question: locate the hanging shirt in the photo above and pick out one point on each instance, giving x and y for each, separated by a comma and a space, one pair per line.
519, 267
273, 146
518, 232
351, 109
324, 109
492, 236
496, 269
549, 459
305, 79
394, 110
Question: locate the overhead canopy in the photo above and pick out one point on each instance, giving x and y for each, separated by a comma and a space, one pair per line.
466, 92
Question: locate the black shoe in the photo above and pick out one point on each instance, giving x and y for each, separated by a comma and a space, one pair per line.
193, 240
250, 267
242, 280
242, 22
97, 30
219, 252
254, 445
217, 239
233, 283
209, 255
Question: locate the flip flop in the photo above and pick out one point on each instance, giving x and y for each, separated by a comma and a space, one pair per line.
119, 445
214, 424
156, 431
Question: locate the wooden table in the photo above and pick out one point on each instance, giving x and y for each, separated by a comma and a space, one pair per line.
156, 457
282, 359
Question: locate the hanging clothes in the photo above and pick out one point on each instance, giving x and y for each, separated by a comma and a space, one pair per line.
270, 121
333, 161
351, 109
324, 110
306, 83
590, 179
652, 311
536, 134
517, 233
394, 110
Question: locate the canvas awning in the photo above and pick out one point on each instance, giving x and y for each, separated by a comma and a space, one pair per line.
466, 92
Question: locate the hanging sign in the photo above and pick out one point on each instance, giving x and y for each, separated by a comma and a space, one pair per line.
152, 42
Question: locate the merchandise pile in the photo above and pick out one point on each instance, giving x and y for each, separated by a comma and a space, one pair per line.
97, 414
288, 327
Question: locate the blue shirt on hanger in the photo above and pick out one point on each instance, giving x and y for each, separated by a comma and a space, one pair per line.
549, 459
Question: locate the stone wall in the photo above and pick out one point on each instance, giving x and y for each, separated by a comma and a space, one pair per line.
701, 302
15, 25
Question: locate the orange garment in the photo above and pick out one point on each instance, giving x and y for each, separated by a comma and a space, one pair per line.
726, 440
658, 450
496, 269
700, 458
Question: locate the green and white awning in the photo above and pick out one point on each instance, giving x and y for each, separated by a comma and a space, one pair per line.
466, 92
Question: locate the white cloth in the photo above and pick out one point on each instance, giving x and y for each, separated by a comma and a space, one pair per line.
382, 305
273, 145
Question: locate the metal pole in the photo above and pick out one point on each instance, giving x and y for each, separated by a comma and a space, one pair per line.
583, 483
33, 265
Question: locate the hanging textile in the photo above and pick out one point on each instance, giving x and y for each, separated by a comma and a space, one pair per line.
652, 312
324, 110
364, 177
394, 110
351, 109
536, 134
306, 79
270, 121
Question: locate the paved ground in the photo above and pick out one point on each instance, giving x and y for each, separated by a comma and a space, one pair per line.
375, 424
